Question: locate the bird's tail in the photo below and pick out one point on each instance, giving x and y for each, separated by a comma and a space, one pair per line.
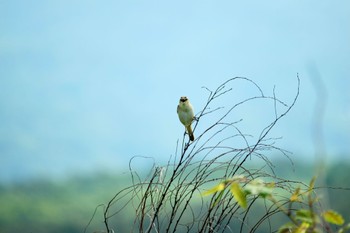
190, 132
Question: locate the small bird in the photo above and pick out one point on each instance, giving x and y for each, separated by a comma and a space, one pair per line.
186, 116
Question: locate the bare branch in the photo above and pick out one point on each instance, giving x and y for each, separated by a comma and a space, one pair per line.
170, 198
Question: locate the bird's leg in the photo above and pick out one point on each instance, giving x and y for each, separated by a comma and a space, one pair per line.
186, 133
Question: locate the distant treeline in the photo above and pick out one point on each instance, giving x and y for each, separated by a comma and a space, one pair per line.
67, 206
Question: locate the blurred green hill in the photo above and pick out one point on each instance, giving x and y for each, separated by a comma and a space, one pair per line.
68, 205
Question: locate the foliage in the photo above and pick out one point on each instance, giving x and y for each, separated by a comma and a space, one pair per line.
53, 206
301, 219
67, 205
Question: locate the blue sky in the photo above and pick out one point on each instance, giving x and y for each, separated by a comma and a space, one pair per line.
86, 85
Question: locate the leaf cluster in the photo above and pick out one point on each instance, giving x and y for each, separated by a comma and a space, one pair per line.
304, 219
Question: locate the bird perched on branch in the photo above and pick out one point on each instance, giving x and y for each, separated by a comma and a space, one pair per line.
186, 116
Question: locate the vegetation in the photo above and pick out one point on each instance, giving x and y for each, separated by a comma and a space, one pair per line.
50, 207
47, 206
305, 218
224, 181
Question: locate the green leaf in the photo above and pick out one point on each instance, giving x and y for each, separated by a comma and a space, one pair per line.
333, 217
258, 187
295, 196
312, 184
344, 228
238, 194
304, 216
287, 228
215, 189
302, 228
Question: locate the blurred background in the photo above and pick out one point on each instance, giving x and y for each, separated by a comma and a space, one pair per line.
87, 85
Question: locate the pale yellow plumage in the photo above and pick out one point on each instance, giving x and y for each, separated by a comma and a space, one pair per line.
186, 115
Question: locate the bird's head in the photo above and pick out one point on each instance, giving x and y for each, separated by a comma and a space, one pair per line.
183, 99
